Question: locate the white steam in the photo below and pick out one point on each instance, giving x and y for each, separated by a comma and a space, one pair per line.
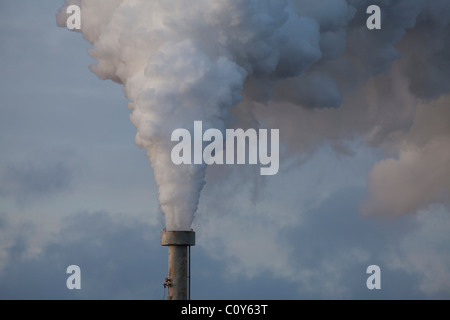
181, 61
278, 61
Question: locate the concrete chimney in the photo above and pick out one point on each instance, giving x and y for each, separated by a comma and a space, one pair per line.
178, 243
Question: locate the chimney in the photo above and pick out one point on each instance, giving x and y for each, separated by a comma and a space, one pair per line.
177, 280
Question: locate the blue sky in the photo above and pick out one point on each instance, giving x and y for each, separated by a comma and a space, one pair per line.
75, 189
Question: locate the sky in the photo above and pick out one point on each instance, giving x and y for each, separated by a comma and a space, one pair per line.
364, 173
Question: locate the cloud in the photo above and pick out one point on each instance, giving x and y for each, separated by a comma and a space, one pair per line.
249, 254
420, 176
35, 179
423, 254
324, 253
426, 46
115, 254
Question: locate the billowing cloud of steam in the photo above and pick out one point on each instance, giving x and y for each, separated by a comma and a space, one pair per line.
181, 61
310, 68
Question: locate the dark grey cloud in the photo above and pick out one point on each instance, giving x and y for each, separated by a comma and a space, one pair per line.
35, 179
338, 244
324, 253
2, 220
428, 65
118, 260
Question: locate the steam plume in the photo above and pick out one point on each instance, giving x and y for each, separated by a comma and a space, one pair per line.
310, 68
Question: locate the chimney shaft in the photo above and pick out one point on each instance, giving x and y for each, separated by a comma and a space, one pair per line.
178, 243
